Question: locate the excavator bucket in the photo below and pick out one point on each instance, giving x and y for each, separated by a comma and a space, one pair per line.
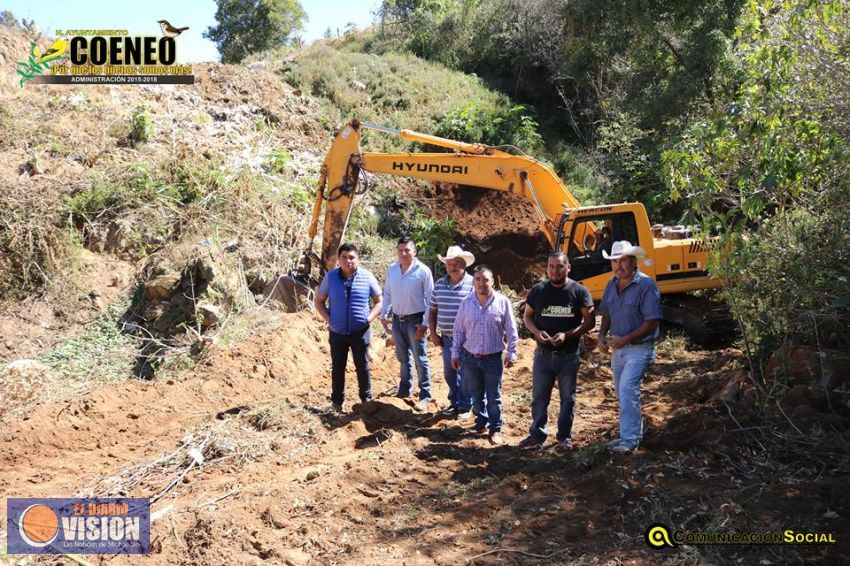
292, 291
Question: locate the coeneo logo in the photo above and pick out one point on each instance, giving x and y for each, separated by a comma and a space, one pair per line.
107, 56
74, 526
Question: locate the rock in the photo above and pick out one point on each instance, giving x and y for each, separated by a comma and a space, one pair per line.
729, 393
205, 269
796, 396
162, 287
295, 557
293, 295
209, 314
153, 311
809, 415
274, 518
805, 365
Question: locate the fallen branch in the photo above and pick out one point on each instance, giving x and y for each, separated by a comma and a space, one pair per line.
233, 491
515, 551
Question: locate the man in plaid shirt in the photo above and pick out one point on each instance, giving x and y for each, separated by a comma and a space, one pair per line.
484, 324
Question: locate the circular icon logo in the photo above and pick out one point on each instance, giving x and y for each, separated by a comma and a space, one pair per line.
657, 536
38, 525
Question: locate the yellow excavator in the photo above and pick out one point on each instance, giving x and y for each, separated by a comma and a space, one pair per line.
674, 260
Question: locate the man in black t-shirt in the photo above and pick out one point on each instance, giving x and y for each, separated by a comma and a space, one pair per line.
557, 313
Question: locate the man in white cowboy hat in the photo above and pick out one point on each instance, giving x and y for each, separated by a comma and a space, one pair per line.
631, 310
446, 297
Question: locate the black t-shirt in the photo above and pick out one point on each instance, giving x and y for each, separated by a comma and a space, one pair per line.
558, 309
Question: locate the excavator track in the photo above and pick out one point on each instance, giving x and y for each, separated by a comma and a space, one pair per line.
707, 322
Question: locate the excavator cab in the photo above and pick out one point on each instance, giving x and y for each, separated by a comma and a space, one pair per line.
600, 233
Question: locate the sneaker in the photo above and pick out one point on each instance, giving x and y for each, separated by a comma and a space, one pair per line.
422, 405
565, 445
449, 411
338, 408
479, 429
464, 416
496, 438
623, 449
531, 442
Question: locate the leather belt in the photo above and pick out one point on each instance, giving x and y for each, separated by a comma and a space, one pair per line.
493, 356
405, 317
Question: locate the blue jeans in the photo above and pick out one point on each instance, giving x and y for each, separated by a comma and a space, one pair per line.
628, 365
483, 376
458, 394
550, 367
359, 344
405, 343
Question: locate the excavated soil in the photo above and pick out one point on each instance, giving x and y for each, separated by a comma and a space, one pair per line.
501, 229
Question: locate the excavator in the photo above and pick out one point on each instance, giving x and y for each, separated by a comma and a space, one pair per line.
674, 260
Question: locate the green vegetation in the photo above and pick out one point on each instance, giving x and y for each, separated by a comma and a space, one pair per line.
737, 110
396, 90
141, 126
769, 166
102, 353
249, 26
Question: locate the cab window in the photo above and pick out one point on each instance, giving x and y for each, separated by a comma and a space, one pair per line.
594, 235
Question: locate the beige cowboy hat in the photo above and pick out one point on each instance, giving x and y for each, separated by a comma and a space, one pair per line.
621, 248
457, 251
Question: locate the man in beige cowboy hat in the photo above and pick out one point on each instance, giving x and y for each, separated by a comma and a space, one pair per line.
446, 297
631, 310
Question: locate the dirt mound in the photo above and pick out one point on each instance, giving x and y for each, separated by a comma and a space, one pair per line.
501, 229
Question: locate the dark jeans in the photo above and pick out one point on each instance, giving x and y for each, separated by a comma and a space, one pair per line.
483, 377
549, 368
359, 344
458, 394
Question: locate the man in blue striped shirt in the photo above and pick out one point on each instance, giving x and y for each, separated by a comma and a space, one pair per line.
406, 294
349, 288
448, 292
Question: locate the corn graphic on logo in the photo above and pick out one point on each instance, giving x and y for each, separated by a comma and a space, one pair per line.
39, 61
658, 536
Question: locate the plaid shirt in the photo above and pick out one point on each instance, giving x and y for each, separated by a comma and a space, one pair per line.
484, 330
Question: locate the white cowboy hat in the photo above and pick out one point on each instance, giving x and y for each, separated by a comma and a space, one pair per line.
621, 248
457, 251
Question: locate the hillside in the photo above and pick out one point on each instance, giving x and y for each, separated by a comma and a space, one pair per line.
140, 228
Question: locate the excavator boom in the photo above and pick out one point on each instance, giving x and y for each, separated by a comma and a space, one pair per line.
475, 164
675, 261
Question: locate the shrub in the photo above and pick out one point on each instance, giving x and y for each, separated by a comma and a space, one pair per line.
141, 126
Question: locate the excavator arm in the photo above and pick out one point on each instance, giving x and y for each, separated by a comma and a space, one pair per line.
472, 164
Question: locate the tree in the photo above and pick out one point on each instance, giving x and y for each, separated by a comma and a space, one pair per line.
250, 26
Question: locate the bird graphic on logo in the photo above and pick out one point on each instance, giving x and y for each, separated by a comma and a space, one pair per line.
169, 30
39, 61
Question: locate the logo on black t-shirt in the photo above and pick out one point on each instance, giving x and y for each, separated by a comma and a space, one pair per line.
557, 311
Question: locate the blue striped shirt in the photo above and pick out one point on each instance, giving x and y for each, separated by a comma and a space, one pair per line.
408, 293
446, 298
